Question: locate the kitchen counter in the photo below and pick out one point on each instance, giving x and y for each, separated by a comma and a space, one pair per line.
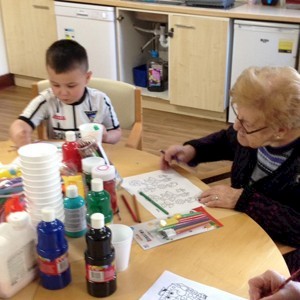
240, 11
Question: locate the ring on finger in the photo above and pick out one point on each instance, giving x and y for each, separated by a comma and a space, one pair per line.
216, 197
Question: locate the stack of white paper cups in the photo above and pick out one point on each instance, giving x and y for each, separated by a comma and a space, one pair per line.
41, 180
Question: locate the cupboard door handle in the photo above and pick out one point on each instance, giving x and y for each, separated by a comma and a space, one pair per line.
171, 33
184, 26
40, 6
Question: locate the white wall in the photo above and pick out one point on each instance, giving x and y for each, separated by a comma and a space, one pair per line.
3, 58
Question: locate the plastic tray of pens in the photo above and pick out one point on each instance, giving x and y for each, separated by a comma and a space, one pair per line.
161, 231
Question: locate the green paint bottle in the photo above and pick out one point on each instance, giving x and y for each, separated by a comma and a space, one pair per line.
98, 201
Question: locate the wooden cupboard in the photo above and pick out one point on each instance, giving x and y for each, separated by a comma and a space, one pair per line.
29, 29
198, 55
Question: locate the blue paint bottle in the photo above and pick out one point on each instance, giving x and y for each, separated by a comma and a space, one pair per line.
52, 250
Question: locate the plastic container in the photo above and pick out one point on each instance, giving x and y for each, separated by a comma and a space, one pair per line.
88, 164
157, 73
269, 2
140, 75
17, 252
70, 151
52, 249
75, 213
101, 277
108, 174
98, 201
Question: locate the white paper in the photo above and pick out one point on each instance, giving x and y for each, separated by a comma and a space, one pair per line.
170, 286
168, 189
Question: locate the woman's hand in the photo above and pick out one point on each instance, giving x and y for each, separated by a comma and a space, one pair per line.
220, 196
178, 153
263, 287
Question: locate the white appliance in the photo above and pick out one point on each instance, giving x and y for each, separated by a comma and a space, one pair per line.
94, 27
262, 44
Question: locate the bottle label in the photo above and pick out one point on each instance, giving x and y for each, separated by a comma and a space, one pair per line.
100, 273
75, 219
155, 74
54, 267
21, 262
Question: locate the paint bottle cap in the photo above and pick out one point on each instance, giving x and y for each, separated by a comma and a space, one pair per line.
72, 191
48, 214
97, 221
70, 136
105, 172
88, 163
18, 219
97, 185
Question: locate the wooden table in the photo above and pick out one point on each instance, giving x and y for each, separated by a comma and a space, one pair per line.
224, 258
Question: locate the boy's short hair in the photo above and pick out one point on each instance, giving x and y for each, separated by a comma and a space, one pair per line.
66, 55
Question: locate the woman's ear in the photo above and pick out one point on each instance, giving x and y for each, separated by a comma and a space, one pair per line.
281, 132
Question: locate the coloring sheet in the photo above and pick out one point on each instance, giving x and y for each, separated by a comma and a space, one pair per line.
168, 189
170, 286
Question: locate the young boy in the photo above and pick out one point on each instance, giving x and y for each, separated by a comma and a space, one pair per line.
69, 102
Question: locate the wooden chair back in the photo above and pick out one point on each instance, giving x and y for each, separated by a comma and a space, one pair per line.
126, 99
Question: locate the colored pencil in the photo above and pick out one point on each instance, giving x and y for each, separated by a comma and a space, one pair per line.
129, 208
185, 224
171, 232
153, 202
292, 277
187, 228
136, 208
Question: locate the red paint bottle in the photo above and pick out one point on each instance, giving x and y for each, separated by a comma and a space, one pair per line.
71, 156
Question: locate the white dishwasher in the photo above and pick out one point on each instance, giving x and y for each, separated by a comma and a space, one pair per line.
262, 44
93, 27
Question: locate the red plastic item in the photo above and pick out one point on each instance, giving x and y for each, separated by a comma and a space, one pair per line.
71, 156
13, 204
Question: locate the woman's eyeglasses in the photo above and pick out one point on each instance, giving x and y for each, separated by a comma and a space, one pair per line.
241, 122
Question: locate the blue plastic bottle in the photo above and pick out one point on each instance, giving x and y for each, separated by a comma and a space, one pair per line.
75, 213
52, 250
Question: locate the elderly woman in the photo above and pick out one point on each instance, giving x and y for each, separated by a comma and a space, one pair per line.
264, 145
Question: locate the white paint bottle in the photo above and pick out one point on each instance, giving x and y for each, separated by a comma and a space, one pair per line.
17, 252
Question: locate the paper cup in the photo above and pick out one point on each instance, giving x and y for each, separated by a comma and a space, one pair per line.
39, 152
44, 193
36, 189
41, 176
42, 184
38, 202
121, 240
91, 130
41, 165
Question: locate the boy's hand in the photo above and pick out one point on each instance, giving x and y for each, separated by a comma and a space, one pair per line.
20, 133
111, 136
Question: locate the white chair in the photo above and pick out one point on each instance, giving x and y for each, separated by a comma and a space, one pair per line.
126, 99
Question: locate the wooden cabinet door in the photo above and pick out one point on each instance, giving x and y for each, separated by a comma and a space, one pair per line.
29, 29
198, 61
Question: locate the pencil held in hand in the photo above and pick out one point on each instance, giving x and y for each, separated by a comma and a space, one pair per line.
294, 276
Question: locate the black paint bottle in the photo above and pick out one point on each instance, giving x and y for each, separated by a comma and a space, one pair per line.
101, 275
